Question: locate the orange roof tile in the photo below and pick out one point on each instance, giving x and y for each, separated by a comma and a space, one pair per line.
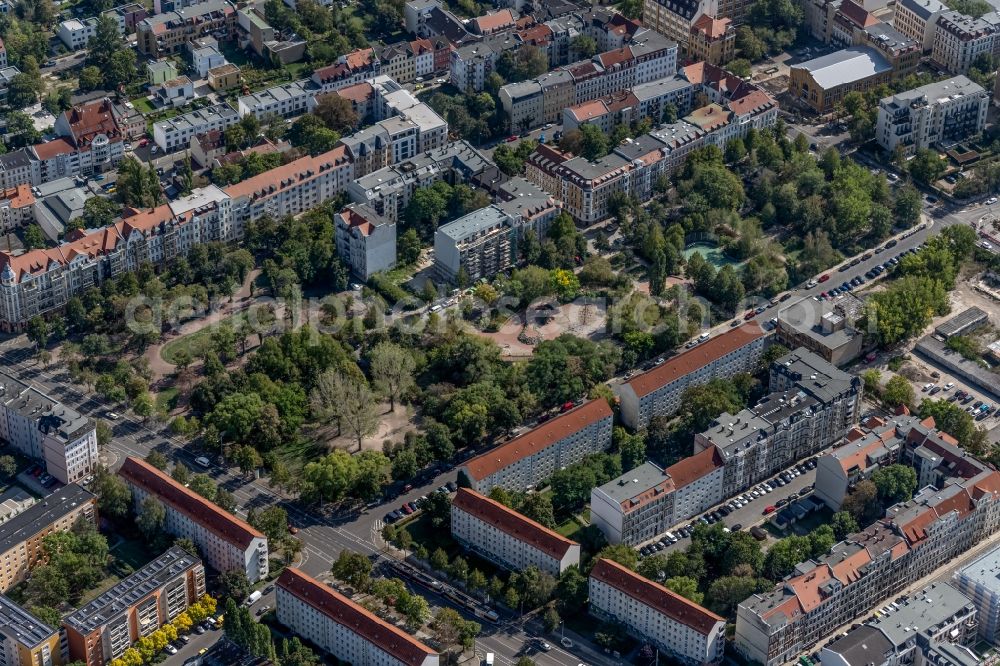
656, 596
538, 438
53, 148
296, 171
513, 523
209, 515
694, 467
847, 571
407, 649
711, 27
697, 357
496, 21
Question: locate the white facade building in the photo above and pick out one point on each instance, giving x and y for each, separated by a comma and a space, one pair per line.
647, 501
659, 391
525, 461
175, 133
980, 581
507, 538
941, 112
366, 241
75, 34
685, 631
341, 627
227, 542
46, 430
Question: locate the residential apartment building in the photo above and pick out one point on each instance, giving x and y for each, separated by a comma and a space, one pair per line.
938, 113
960, 39
285, 100
676, 18
647, 501
980, 582
388, 190
658, 392
647, 57
342, 628
17, 206
470, 65
867, 568
227, 542
366, 241
398, 61
156, 594
40, 281
175, 133
25, 640
933, 626
712, 40
684, 631
812, 404
168, 33
917, 19
531, 207
76, 33
44, 429
175, 93
512, 541
21, 536
527, 460
481, 243
827, 329
822, 83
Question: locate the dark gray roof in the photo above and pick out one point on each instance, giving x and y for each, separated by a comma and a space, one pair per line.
964, 321
21, 626
923, 8
862, 646
33, 520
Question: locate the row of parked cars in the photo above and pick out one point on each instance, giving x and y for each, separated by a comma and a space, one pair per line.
409, 508
737, 502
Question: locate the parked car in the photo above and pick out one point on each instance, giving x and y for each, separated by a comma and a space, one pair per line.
770, 509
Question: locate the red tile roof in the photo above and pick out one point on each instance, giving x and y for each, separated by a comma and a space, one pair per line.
656, 596
53, 148
223, 524
857, 14
711, 27
694, 467
88, 120
538, 439
492, 22
296, 171
513, 523
350, 615
697, 357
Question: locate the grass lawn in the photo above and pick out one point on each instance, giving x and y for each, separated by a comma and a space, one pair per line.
572, 525
199, 342
166, 399
99, 589
196, 344
132, 552
143, 105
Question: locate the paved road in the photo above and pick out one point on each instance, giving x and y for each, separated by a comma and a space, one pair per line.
324, 536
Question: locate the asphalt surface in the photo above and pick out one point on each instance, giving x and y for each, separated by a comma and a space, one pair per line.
324, 535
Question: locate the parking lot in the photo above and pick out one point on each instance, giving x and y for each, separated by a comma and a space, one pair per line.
747, 509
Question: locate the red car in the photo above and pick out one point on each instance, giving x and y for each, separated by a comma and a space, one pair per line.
406, 509
143, 142
749, 315
770, 509
567, 406
824, 278
512, 138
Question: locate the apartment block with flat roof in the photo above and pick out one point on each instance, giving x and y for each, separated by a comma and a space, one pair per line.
481, 243
980, 582
507, 538
21, 536
527, 460
942, 113
227, 542
342, 628
917, 19
175, 133
169, 32
46, 430
648, 500
25, 640
658, 392
101, 630
934, 625
688, 633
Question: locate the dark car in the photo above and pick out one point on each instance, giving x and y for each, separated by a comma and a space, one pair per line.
452, 486
737, 527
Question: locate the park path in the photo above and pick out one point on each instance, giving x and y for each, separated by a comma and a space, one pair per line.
241, 300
